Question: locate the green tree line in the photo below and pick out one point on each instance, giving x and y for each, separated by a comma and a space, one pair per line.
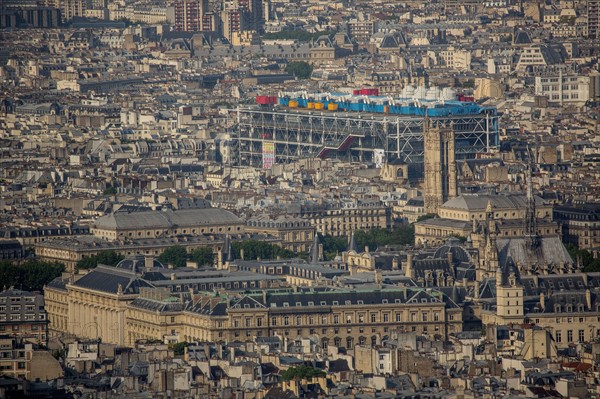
108, 257
587, 260
31, 275
178, 256
372, 238
254, 249
302, 372
299, 35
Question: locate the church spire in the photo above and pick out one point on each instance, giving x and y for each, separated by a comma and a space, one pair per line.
531, 236
314, 249
352, 244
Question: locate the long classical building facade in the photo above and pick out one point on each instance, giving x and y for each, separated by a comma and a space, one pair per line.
153, 224
139, 299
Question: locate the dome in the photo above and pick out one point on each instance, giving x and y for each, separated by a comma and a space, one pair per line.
137, 263
459, 254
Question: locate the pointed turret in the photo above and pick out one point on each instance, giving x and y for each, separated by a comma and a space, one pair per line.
227, 250
352, 244
314, 250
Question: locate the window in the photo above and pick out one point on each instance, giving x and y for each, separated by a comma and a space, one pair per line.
248, 322
273, 321
581, 336
373, 317
286, 321
424, 316
398, 318
386, 317
569, 335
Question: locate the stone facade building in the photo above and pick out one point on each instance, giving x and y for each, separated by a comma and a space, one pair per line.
22, 314
152, 224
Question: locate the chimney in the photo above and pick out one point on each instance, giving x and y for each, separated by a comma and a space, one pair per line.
588, 298
378, 278
191, 264
543, 301
242, 253
219, 259
476, 291
149, 262
264, 297
395, 263
173, 277
408, 269
366, 249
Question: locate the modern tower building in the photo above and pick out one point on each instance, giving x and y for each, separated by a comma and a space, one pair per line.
593, 18
188, 15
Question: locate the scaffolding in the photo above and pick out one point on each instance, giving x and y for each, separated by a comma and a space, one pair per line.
352, 136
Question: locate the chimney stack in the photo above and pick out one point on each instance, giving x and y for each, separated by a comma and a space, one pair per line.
148, 262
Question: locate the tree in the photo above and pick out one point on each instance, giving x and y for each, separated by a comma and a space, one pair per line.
108, 257
585, 258
299, 35
333, 245
300, 69
302, 372
254, 249
378, 237
110, 191
425, 217
175, 255
179, 348
203, 256
32, 275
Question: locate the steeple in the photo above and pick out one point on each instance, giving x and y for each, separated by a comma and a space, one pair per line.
228, 250
314, 250
352, 244
531, 236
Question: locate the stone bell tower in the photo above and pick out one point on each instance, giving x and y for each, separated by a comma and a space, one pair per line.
440, 165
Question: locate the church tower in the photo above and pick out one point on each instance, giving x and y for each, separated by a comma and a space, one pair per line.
440, 166
509, 297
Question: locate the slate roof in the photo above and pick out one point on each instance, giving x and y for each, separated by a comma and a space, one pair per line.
550, 252
166, 219
137, 263
478, 202
286, 301
108, 279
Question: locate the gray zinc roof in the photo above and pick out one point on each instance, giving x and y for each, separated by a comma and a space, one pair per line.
166, 219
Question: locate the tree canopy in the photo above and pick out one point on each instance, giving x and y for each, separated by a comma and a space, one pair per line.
585, 257
300, 69
108, 257
299, 35
254, 249
302, 372
179, 348
31, 275
374, 238
333, 245
203, 256
175, 255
